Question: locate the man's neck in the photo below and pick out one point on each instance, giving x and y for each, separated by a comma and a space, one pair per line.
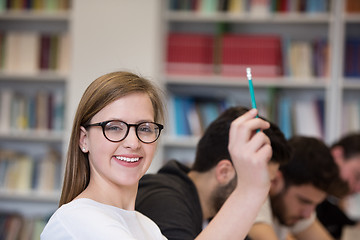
204, 183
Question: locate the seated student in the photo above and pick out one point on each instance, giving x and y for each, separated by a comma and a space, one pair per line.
180, 199
113, 141
346, 153
297, 189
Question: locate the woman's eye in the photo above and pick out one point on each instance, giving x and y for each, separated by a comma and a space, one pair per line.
114, 128
145, 129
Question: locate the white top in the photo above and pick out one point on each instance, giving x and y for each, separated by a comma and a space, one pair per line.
87, 219
265, 216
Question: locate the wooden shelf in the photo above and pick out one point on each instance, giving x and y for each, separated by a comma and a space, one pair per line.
32, 135
285, 18
43, 76
33, 15
220, 81
32, 196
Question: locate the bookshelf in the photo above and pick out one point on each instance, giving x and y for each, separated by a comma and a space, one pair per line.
34, 68
321, 103
350, 81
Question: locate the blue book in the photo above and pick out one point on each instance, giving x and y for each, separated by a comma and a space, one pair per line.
284, 117
181, 121
209, 112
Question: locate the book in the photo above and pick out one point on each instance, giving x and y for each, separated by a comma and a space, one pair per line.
25, 171
208, 6
48, 177
321, 53
13, 226
21, 52
236, 6
189, 53
58, 111
63, 56
182, 127
260, 52
285, 116
209, 111
259, 7
6, 95
12, 40
306, 118
351, 116
28, 50
42, 98
352, 6
352, 57
44, 56
300, 60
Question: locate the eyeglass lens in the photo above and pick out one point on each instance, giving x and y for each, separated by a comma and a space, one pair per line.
117, 131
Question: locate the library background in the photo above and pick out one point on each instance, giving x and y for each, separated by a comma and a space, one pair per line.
304, 56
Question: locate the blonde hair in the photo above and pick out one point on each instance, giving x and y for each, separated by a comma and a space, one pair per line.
101, 92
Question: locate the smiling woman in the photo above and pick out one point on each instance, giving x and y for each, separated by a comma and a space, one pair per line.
113, 142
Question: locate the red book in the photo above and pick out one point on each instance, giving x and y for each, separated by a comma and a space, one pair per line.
260, 52
353, 6
190, 53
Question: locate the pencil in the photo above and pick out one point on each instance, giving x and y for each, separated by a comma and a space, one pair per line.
251, 89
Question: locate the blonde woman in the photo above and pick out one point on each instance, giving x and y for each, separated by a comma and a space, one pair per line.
114, 136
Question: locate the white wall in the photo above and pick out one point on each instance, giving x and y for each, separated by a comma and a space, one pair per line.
111, 35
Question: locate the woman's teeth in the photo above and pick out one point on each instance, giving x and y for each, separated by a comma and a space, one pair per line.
125, 159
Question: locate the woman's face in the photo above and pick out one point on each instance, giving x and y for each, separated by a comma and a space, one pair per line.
119, 163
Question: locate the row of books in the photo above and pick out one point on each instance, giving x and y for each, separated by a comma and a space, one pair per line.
16, 226
352, 58
351, 113
32, 52
191, 116
37, 5
250, 6
301, 117
42, 111
23, 173
231, 54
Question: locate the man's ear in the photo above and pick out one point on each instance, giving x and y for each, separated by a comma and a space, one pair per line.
83, 140
224, 172
338, 155
277, 184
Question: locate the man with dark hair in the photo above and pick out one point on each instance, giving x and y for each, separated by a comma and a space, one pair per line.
180, 199
297, 189
346, 153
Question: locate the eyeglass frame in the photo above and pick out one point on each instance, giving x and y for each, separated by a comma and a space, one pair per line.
128, 125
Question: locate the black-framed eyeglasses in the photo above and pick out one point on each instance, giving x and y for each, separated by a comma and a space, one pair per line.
116, 130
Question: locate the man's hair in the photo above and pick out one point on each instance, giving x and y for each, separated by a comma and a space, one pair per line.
312, 163
350, 144
281, 149
213, 146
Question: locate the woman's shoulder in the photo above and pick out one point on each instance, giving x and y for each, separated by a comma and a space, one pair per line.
80, 214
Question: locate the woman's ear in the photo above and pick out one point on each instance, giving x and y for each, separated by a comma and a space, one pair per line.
224, 172
83, 140
277, 184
